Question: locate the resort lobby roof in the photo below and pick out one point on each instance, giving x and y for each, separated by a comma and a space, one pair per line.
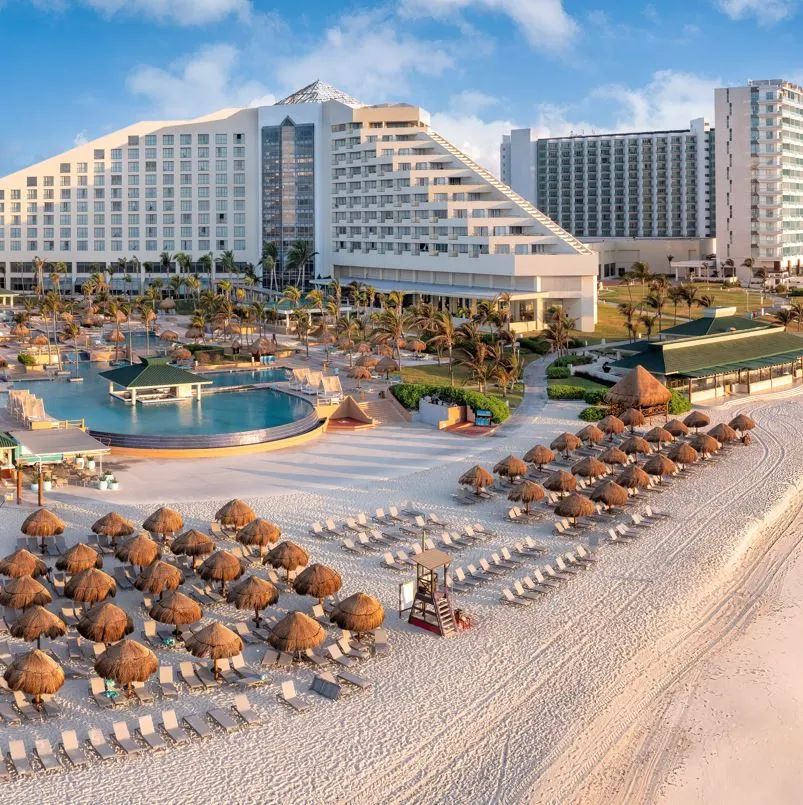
718, 354
153, 373
431, 289
712, 325
56, 442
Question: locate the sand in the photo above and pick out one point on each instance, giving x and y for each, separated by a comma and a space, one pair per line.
539, 704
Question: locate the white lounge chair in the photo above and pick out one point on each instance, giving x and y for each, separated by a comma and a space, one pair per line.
504, 564
532, 595
189, 677
490, 569
289, 696
336, 655
74, 751
124, 739
562, 567
243, 709
166, 683
144, 696
248, 678
149, 733
97, 740
547, 581
508, 597
537, 586
19, 757
223, 719
561, 575
173, 729
97, 690
198, 725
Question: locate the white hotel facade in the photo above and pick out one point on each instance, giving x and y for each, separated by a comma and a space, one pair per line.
386, 201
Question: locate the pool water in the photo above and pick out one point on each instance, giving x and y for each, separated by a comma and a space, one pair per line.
226, 412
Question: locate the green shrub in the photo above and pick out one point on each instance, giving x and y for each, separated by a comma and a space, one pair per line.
559, 392
593, 413
410, 394
557, 372
536, 345
595, 396
193, 348
26, 359
679, 404
572, 360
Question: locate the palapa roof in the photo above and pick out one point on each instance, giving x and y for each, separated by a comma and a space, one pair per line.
358, 613
613, 455
477, 476
253, 593
683, 453
214, 641
742, 422
140, 550
704, 443
35, 622
591, 433
42, 523
560, 481
79, 557
539, 454
127, 661
318, 581
589, 467
176, 608
633, 418
296, 632
511, 466
526, 492
659, 464
221, 566
287, 555
90, 586
633, 477
565, 442
105, 623
638, 389
23, 592
635, 444
113, 525
22, 563
164, 521
193, 543
153, 372
159, 576
34, 673
676, 428
723, 433
697, 419
610, 493
575, 505
236, 514
659, 435
611, 424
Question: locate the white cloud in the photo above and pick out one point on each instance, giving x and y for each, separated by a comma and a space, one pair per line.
179, 12
80, 138
766, 12
366, 55
205, 81
545, 23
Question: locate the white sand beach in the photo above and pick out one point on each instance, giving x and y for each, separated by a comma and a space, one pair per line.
540, 704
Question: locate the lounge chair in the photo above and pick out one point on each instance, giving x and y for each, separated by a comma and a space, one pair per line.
289, 696
208, 679
188, 676
402, 557
455, 585
479, 528
330, 527
74, 751
336, 655
97, 690
248, 678
508, 597
150, 633
585, 556
364, 542
348, 545
479, 574
123, 579
70, 615
381, 645
97, 740
545, 581
326, 685
637, 521
243, 709
149, 733
560, 575
415, 528
50, 707
354, 679
124, 739
653, 515
615, 538
225, 670
381, 517
317, 531
348, 647
173, 729
198, 725
469, 581
244, 630
532, 594
74, 649
488, 568
223, 719
562, 567
388, 560
27, 710
144, 696
166, 684
310, 656
352, 525
505, 564
393, 514
19, 757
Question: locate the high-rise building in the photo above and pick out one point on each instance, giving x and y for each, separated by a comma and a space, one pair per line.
653, 184
760, 174
382, 199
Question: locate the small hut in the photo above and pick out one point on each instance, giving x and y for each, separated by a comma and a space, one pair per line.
215, 642
105, 623
295, 633
358, 613
318, 581
287, 555
221, 566
511, 467
259, 533
34, 673
478, 478
43, 524
22, 563
526, 493
176, 609
565, 443
235, 514
35, 622
540, 455
127, 662
193, 543
640, 390
253, 593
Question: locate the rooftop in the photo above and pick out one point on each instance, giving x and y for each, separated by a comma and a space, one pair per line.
153, 373
318, 92
56, 442
714, 321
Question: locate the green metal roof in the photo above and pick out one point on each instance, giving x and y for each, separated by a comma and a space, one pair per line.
6, 442
717, 355
152, 373
714, 325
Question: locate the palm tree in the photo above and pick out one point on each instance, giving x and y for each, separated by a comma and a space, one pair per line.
315, 299
303, 322
192, 282
797, 309
71, 331
145, 309
126, 308
640, 271
166, 261
183, 261
270, 254
227, 263
503, 302
347, 330
225, 287
336, 292
292, 294
649, 323
689, 295
445, 337
39, 266
390, 327
156, 285
628, 313
558, 332
207, 262
51, 305
784, 316
706, 300
175, 283
112, 309
480, 361
300, 254
656, 299
675, 295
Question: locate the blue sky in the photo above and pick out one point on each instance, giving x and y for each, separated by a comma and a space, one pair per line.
83, 68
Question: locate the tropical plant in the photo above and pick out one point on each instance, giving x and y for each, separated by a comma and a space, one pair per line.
649, 323
689, 296
628, 312
166, 261
480, 361
445, 337
558, 332
303, 322
300, 255
390, 326
706, 300
784, 316
656, 299
51, 305
797, 310
39, 267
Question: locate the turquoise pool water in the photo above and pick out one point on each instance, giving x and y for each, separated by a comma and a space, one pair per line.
227, 412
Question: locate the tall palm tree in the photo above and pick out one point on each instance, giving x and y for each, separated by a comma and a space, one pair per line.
207, 262
784, 316
39, 267
227, 262
125, 309
51, 305
192, 282
640, 271
292, 294
336, 292
675, 295
156, 285
797, 310
270, 255
689, 295
303, 322
174, 283
112, 309
390, 326
226, 287
166, 262
628, 313
184, 262
445, 337
479, 359
656, 299
558, 332
347, 330
300, 255
70, 332
145, 309
649, 323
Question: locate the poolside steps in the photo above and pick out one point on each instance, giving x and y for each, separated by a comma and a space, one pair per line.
385, 412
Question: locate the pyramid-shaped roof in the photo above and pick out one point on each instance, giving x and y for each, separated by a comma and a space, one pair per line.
638, 389
318, 92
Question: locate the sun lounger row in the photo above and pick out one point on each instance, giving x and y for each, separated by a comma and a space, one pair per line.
387, 524
566, 566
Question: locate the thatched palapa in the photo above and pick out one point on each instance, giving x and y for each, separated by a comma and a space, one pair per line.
79, 557
676, 428
22, 563
105, 623
660, 465
158, 577
683, 453
221, 566
318, 581
193, 543
259, 532
43, 524
633, 418
742, 423
214, 642
723, 433
113, 526
561, 481
127, 662
633, 477
176, 609
511, 467
613, 455
635, 444
296, 632
34, 673
565, 443
478, 478
697, 420
23, 592
703, 443
591, 434
610, 494
659, 436
288, 556
526, 493
235, 514
611, 425
589, 468
253, 593
540, 455
640, 390
90, 586
164, 521
358, 613
140, 551
35, 622
574, 506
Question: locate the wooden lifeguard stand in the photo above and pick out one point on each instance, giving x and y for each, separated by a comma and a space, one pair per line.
432, 605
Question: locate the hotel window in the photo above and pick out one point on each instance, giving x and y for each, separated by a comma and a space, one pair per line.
64, 167
239, 151
220, 139
167, 139
221, 151
167, 166
185, 139
167, 153
31, 194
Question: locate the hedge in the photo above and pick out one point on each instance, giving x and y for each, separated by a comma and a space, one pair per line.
595, 396
559, 392
536, 345
572, 360
593, 413
679, 404
557, 372
409, 395
193, 348
26, 359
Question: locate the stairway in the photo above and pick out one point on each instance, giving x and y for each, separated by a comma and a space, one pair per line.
443, 608
384, 412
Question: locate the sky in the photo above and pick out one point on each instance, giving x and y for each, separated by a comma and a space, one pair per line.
78, 69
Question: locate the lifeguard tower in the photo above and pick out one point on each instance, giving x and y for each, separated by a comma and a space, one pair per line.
432, 606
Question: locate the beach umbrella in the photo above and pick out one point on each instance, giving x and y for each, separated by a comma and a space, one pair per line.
113, 526
140, 551
194, 332
358, 613
214, 641
526, 493
296, 632
561, 481
676, 428
181, 354
23, 592
43, 524
193, 543
660, 465
683, 453
79, 557
633, 418
697, 420
168, 335
253, 593
611, 425
742, 423
659, 436
385, 350
167, 304
34, 673
591, 434
417, 345
703, 443
360, 373
610, 494
367, 361
259, 532
723, 433
22, 563
477, 478
235, 514
221, 566
574, 506
158, 577
127, 662
40, 341
565, 443
20, 331
36, 621
613, 455
164, 522
590, 468
105, 623
511, 467
635, 444
90, 586
638, 389
364, 348
114, 337
633, 477
176, 609
288, 556
318, 581
386, 366
539, 455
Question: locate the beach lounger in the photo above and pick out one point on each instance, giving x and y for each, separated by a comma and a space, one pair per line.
97, 740
74, 649
336, 655
615, 538
388, 560
585, 556
415, 528
348, 545
174, 730
486, 567
74, 751
289, 696
393, 514
637, 521
478, 529
381, 517
533, 594
352, 525
50, 706
653, 515
480, 575
225, 670
97, 690
330, 527
207, 677
166, 684
310, 656
149, 733
214, 595
326, 685
351, 648
243, 709
561, 575
470, 581
70, 615
198, 725
223, 719
402, 557
381, 646
547, 581
456, 586
562, 567
537, 587
144, 696
123, 579
27, 710
244, 630
316, 530
19, 757
188, 676
248, 678
9, 716
364, 542
626, 531
354, 679
508, 597
507, 557
124, 739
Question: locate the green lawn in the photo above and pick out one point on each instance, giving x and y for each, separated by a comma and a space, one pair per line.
582, 382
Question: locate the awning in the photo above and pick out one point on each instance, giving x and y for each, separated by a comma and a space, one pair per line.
431, 289
756, 363
53, 442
